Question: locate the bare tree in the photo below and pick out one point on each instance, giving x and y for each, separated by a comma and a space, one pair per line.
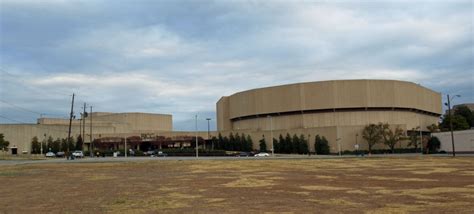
391, 137
372, 133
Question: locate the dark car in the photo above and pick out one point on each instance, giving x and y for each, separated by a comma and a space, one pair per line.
161, 154
151, 153
60, 154
243, 154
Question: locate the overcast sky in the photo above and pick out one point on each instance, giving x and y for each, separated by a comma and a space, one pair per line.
180, 57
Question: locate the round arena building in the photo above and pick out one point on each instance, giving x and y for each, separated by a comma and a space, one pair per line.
338, 110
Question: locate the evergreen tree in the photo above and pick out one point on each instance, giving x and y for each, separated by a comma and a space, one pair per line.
215, 142
303, 149
263, 144
287, 147
231, 142
278, 145
56, 146
295, 144
243, 144
321, 145
225, 143
45, 145
238, 143
79, 143
35, 145
324, 146
249, 144
220, 142
275, 141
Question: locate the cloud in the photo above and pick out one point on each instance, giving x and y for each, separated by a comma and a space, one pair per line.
180, 57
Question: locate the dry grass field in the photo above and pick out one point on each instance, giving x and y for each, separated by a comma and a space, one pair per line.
368, 185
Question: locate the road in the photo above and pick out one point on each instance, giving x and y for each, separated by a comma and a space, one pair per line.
138, 159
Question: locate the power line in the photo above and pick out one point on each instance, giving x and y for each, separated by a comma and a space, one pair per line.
21, 108
35, 125
28, 110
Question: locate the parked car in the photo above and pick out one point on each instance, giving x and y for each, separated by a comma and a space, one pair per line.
151, 153
78, 154
262, 154
60, 154
161, 154
243, 154
50, 155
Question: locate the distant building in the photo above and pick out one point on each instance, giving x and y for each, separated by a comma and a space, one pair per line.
470, 106
109, 131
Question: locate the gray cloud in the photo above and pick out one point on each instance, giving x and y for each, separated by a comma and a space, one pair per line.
180, 57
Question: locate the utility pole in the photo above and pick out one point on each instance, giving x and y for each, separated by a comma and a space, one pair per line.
84, 114
197, 153
70, 123
451, 123
91, 144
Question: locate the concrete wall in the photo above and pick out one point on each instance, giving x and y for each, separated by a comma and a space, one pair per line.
330, 95
463, 141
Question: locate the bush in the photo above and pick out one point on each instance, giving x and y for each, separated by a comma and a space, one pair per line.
433, 145
321, 145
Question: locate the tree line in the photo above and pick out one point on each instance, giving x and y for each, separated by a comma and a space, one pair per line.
3, 143
382, 133
462, 118
295, 144
233, 142
56, 145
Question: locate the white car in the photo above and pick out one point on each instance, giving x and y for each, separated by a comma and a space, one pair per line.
78, 154
262, 154
50, 155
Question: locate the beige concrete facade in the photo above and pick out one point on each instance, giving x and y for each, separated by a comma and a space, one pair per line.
335, 109
103, 125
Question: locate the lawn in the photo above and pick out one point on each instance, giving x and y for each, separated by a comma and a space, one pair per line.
364, 185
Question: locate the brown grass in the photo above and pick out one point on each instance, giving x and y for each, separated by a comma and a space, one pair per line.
371, 185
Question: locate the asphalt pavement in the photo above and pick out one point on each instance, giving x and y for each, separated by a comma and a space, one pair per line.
19, 161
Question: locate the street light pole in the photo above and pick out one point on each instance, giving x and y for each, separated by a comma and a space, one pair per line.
209, 132
451, 122
338, 145
271, 134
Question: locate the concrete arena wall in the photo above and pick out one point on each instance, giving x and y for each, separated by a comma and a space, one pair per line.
410, 119
463, 141
334, 109
326, 95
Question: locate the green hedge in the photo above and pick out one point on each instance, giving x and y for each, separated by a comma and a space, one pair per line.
383, 151
169, 152
192, 152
